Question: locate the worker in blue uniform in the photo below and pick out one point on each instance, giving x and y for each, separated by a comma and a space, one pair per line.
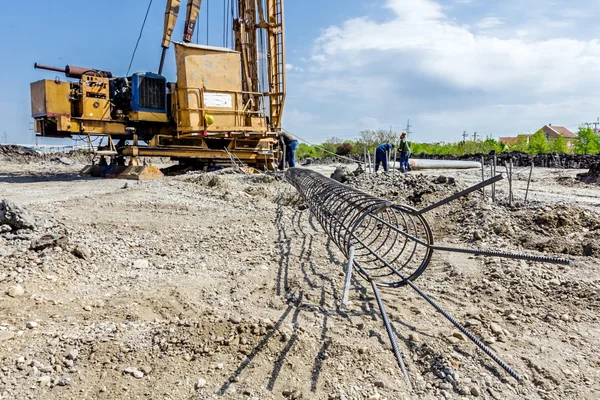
381, 155
404, 153
290, 143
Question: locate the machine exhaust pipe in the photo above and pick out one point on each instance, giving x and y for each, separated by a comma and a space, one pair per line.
72, 71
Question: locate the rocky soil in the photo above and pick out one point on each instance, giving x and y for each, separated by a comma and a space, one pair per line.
212, 285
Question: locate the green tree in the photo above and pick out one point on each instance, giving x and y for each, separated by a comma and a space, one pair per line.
538, 143
370, 139
308, 151
331, 144
521, 144
559, 145
587, 141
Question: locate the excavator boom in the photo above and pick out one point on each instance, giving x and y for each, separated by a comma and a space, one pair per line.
171, 14
191, 16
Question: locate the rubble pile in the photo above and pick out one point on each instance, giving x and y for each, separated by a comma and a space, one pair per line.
592, 176
416, 190
15, 153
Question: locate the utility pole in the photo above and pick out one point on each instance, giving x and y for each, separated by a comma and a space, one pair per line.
596, 124
408, 126
465, 135
5, 137
474, 136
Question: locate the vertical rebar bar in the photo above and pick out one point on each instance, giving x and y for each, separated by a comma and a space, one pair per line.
387, 159
528, 182
348, 279
494, 174
510, 182
482, 176
375, 161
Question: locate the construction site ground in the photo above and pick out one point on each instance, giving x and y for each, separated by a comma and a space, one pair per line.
221, 285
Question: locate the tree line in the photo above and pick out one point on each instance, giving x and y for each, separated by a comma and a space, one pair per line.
587, 142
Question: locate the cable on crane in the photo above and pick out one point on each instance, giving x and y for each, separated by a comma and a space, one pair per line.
207, 20
139, 38
197, 31
322, 148
232, 18
224, 21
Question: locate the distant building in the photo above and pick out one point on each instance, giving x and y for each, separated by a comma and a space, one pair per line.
511, 141
551, 132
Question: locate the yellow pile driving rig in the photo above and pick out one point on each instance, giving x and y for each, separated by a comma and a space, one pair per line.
218, 110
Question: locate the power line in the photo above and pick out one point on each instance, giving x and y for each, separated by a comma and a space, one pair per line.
139, 38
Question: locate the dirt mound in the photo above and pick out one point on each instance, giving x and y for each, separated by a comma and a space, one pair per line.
411, 189
9, 152
592, 176
557, 228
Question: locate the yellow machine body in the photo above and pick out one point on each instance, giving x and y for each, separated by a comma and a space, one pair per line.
209, 83
50, 99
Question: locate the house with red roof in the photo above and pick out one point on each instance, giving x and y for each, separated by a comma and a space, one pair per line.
551, 131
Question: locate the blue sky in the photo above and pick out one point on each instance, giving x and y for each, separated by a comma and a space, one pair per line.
498, 68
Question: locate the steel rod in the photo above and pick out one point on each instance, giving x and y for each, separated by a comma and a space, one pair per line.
391, 335
482, 176
462, 193
528, 182
375, 161
494, 185
516, 256
348, 279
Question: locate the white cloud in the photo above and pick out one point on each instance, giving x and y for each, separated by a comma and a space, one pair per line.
440, 48
292, 67
492, 77
489, 22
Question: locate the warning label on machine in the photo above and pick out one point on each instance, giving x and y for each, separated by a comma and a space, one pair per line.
221, 100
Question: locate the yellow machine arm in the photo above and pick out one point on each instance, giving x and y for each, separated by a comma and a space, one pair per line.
191, 16
171, 14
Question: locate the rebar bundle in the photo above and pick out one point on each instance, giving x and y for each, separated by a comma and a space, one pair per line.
389, 245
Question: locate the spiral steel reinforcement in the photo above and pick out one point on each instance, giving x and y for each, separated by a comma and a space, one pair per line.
389, 245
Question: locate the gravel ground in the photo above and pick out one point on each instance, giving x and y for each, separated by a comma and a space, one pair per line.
220, 286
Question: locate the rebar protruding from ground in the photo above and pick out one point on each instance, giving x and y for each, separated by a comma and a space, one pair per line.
389, 245
391, 335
